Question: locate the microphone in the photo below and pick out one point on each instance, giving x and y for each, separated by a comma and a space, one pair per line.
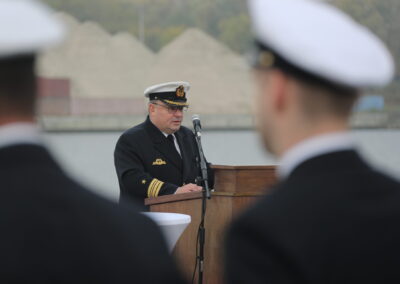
196, 123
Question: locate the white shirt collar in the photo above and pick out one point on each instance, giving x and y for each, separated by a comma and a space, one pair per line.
313, 147
166, 134
19, 133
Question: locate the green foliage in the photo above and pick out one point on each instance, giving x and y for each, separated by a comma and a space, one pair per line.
226, 20
234, 32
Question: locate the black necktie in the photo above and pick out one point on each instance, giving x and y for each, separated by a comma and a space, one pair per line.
171, 138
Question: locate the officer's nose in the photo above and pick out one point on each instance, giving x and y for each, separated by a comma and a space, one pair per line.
178, 113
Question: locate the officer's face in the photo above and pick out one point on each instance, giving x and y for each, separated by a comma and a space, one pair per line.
264, 109
166, 119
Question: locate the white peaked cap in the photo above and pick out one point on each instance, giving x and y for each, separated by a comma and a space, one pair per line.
166, 87
323, 41
27, 26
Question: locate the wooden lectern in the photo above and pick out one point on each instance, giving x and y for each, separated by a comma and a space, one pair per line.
235, 188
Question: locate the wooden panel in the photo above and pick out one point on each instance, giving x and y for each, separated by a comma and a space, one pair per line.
220, 209
236, 188
224, 180
172, 198
255, 180
219, 215
243, 178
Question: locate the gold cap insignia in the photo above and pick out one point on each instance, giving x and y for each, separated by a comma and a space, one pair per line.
180, 92
159, 162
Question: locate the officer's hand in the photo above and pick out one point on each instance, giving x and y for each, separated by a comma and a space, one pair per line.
188, 188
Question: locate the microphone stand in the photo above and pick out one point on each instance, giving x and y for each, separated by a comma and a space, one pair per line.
206, 195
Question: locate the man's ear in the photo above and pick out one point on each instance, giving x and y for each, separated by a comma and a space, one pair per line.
279, 86
150, 108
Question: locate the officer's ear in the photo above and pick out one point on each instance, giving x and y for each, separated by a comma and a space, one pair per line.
150, 108
280, 86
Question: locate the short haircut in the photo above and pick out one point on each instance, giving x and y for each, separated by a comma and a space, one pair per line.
18, 84
326, 98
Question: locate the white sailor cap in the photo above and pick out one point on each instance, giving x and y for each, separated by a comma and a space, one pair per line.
173, 93
318, 41
27, 26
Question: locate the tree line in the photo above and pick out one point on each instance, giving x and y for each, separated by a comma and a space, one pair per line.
157, 22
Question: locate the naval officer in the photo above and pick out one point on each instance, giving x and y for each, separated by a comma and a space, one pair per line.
332, 217
54, 230
159, 156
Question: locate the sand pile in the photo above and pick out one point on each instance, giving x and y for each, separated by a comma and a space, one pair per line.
98, 64
220, 78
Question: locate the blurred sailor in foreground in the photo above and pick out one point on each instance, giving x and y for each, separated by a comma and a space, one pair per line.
52, 229
159, 156
332, 218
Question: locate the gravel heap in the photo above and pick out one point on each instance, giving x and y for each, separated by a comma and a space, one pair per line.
219, 78
99, 65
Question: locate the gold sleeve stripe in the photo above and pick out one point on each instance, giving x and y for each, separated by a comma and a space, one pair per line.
157, 188
154, 188
150, 188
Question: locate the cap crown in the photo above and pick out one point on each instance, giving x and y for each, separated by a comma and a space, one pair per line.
322, 40
171, 92
27, 26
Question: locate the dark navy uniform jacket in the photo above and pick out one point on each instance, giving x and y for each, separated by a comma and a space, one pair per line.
148, 164
53, 230
333, 220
